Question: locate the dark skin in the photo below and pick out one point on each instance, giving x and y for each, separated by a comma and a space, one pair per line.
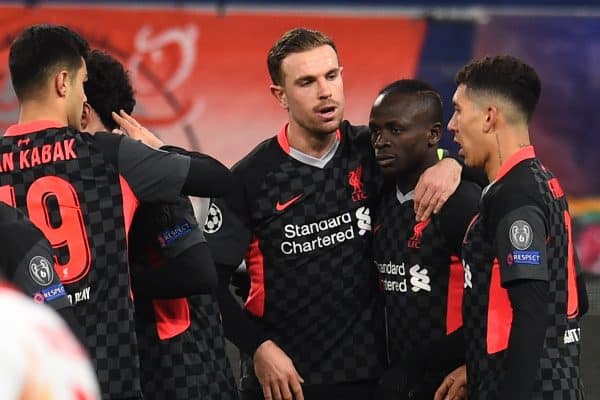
404, 136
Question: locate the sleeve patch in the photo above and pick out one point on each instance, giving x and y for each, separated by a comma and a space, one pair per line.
524, 257
41, 270
520, 235
171, 235
214, 219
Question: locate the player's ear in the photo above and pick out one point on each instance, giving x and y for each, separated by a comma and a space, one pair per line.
435, 134
491, 118
61, 82
86, 114
279, 94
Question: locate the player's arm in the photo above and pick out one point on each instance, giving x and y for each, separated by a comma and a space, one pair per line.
229, 239
189, 268
29, 263
521, 251
189, 273
454, 219
205, 172
582, 295
157, 176
439, 182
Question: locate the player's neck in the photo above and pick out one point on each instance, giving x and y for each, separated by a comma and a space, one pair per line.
313, 144
508, 142
407, 181
35, 110
95, 125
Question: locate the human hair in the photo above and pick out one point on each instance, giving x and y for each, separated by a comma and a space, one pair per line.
430, 97
39, 52
108, 87
296, 40
505, 76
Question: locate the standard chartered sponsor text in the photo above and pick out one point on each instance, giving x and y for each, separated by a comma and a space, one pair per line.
392, 285
324, 233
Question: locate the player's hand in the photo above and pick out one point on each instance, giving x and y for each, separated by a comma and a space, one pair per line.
135, 130
435, 186
276, 373
454, 385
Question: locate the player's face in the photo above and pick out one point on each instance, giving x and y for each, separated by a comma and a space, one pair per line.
401, 133
76, 97
467, 125
313, 90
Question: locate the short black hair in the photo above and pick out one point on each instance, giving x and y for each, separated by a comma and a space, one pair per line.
504, 76
37, 53
108, 87
420, 89
296, 40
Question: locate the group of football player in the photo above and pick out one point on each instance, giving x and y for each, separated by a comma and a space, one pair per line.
376, 265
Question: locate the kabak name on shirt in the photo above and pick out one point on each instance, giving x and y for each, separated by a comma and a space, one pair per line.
44, 154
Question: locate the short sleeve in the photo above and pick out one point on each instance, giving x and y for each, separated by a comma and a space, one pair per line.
227, 234
155, 176
36, 277
521, 245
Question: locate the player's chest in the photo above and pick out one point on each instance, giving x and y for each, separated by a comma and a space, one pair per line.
478, 253
298, 193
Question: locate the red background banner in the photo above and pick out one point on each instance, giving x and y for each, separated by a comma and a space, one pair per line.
201, 79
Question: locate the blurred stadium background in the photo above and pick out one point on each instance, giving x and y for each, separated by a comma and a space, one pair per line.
199, 70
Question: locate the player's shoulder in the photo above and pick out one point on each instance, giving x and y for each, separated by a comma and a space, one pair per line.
466, 191
464, 200
9, 214
519, 187
358, 134
267, 154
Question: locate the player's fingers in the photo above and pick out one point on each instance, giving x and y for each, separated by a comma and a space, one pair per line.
419, 189
267, 392
286, 393
297, 391
461, 394
423, 204
125, 125
129, 118
118, 119
441, 200
440, 393
275, 390
454, 390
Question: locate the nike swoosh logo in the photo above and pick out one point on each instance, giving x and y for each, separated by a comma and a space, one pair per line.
376, 228
280, 207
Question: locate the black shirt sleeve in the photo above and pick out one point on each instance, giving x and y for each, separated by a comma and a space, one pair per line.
521, 245
189, 273
457, 213
240, 328
227, 231
157, 176
529, 301
27, 259
205, 172
183, 265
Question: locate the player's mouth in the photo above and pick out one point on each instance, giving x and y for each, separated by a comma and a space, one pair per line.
460, 148
385, 160
327, 112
